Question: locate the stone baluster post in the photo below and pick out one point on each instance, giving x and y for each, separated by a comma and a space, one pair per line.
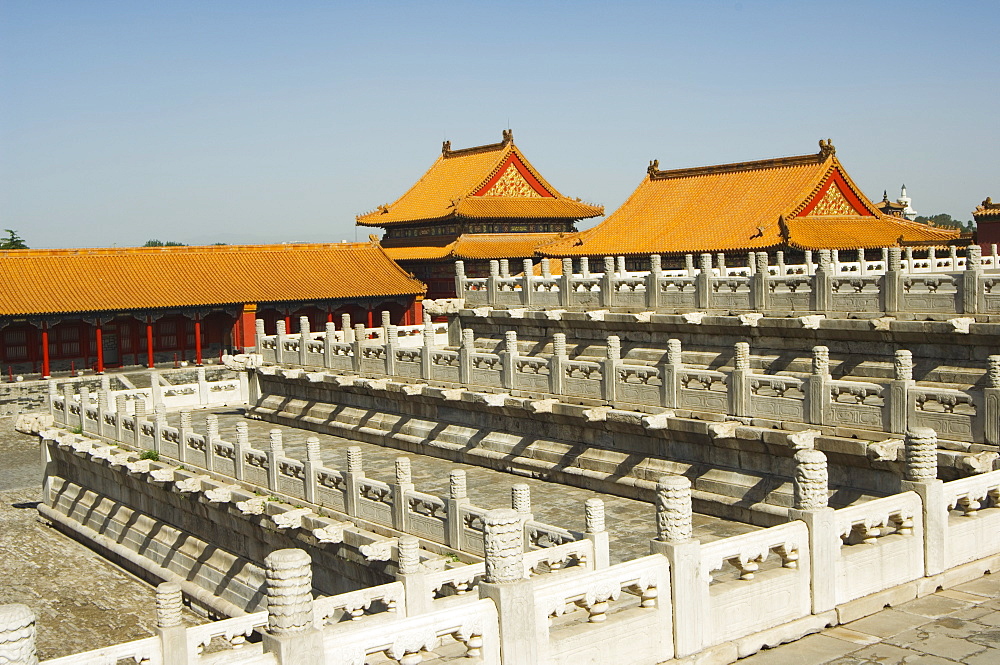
720, 263
403, 484
609, 368
169, 626
838, 268
304, 337
920, 476
51, 393
932, 259
822, 283
689, 268
353, 479
121, 413
103, 408
426, 351
760, 291
703, 283
345, 327
994, 256
596, 533
808, 260
739, 380
608, 282
84, 405
670, 374
566, 283
240, 449
527, 282
584, 266
159, 422
811, 485
504, 268
557, 364
357, 347
892, 282
69, 397
17, 635
898, 389
752, 263
138, 417
460, 284
885, 258
779, 261
183, 430
508, 359
211, 438
862, 264
818, 390
409, 571
329, 337
314, 460
505, 585
971, 278
908, 254
275, 449
280, 339
620, 266
389, 347
258, 335
457, 498
520, 502
674, 530
491, 283
545, 267
290, 635
105, 383
991, 401
653, 282
465, 351
953, 258
202, 378
386, 321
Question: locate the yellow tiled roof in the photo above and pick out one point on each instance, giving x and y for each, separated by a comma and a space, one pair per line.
987, 209
98, 280
455, 186
806, 201
472, 246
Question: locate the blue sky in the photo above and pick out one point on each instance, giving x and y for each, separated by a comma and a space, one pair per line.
248, 121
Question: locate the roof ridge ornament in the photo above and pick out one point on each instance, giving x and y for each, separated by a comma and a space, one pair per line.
826, 149
654, 167
445, 147
508, 136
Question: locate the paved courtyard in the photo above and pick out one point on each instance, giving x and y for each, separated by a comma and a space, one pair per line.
958, 625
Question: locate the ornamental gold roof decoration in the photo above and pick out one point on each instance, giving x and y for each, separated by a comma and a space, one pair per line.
493, 181
805, 201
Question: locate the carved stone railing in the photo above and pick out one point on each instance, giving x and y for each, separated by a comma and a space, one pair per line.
899, 281
973, 522
969, 414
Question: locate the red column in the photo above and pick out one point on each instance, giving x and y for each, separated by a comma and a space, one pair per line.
149, 344
244, 330
45, 351
288, 323
329, 317
370, 320
99, 342
197, 340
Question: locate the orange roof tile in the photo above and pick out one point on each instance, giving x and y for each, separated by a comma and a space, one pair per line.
802, 201
97, 280
491, 181
987, 209
471, 246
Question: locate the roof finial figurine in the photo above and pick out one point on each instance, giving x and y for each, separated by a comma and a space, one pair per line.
445, 147
372, 238
654, 166
826, 148
508, 135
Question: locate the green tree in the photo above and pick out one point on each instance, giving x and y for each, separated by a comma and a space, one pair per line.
12, 241
944, 219
160, 243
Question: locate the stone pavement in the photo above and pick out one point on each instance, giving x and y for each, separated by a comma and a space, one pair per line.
958, 625
630, 523
81, 600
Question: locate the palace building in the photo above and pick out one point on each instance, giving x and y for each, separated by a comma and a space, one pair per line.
475, 204
987, 216
807, 202
99, 308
